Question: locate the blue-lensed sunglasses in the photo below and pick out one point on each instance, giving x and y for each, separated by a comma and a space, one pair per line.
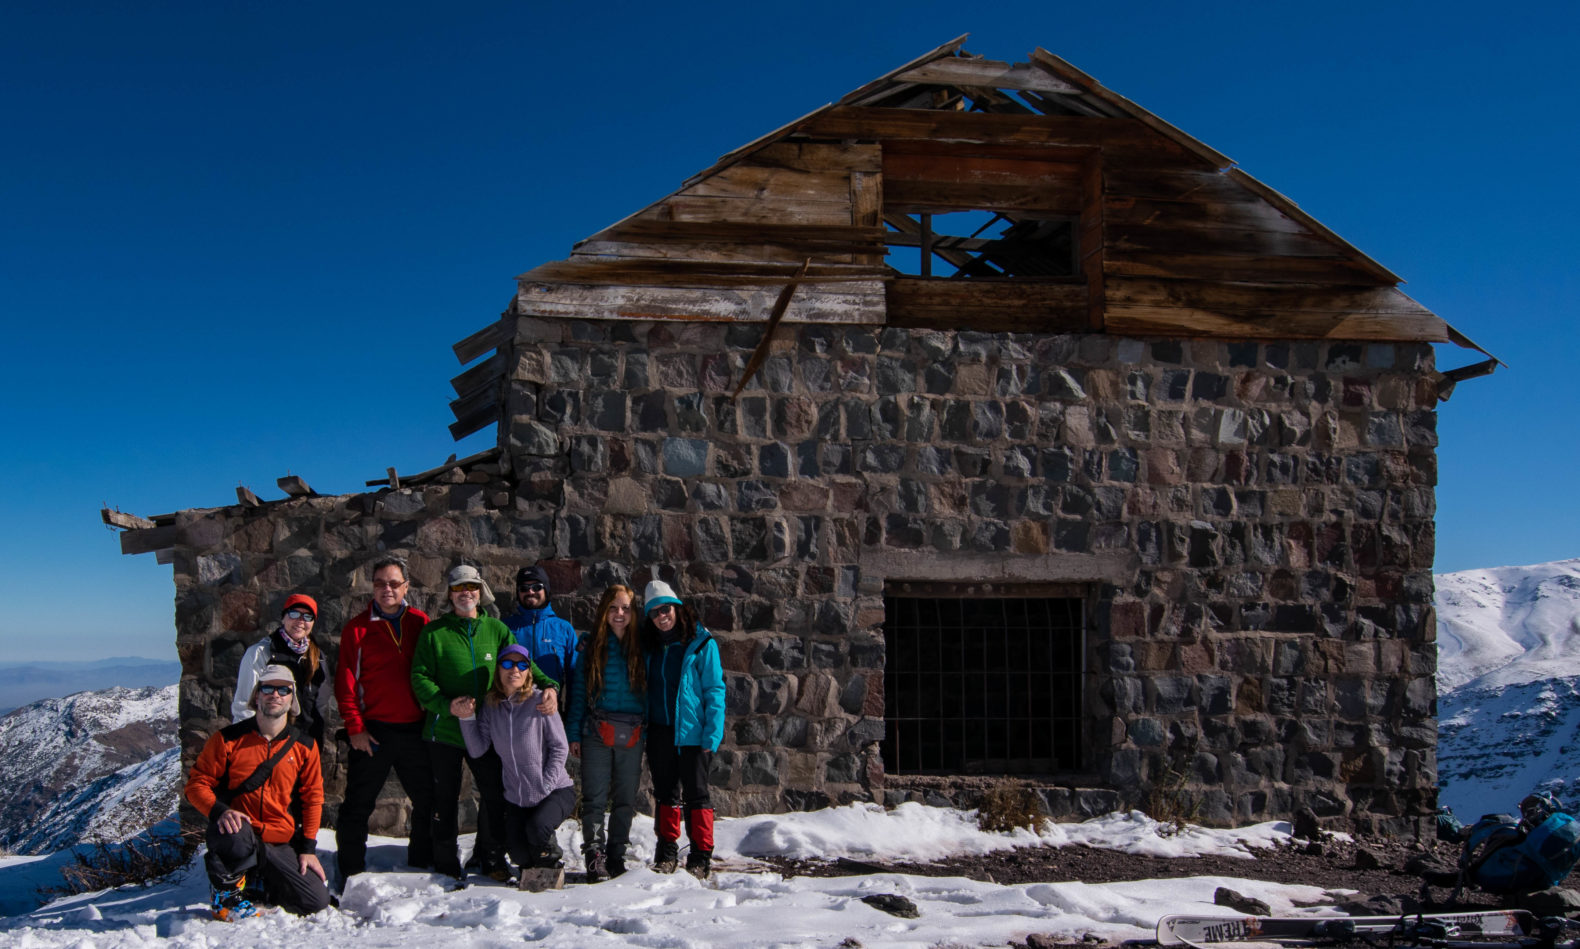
522, 664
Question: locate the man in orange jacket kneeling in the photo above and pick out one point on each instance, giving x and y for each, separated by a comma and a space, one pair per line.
260, 785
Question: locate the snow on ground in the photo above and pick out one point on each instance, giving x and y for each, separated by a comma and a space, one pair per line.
742, 906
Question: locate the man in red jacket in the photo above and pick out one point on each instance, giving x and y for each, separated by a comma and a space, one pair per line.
258, 783
383, 719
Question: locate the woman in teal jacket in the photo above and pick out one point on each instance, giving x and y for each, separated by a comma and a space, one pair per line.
455, 661
685, 713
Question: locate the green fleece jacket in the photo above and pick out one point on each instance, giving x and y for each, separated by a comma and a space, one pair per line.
456, 657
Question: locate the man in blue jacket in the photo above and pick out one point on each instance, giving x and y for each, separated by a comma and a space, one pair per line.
549, 640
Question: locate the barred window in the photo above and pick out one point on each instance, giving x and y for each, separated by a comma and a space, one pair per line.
982, 685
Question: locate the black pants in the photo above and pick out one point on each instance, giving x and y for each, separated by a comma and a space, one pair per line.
680, 775
487, 777
399, 747
270, 868
529, 830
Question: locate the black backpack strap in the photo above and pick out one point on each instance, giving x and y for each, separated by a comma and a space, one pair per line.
261, 773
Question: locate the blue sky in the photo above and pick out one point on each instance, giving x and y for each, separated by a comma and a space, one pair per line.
238, 239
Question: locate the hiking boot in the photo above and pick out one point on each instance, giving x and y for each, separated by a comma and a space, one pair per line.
231, 903
699, 863
596, 873
666, 859
614, 863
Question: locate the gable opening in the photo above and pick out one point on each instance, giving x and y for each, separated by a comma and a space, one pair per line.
983, 684
966, 244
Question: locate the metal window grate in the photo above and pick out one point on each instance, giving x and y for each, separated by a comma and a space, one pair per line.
982, 685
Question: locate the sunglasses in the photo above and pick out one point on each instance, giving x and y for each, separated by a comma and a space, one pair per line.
663, 608
298, 614
522, 664
465, 587
275, 690
532, 588
389, 584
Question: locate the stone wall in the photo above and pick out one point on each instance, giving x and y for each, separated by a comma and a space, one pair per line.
1251, 524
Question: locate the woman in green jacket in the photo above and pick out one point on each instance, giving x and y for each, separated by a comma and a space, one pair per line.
455, 660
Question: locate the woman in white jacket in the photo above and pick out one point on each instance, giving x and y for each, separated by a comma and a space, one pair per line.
290, 645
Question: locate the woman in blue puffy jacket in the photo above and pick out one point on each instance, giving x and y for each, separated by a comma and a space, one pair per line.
685, 715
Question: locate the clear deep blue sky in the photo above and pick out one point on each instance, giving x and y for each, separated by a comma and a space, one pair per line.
238, 239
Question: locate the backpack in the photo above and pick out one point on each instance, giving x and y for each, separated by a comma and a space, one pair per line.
1504, 854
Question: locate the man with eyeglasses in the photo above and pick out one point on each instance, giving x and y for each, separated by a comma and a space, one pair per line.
290, 645
383, 719
258, 782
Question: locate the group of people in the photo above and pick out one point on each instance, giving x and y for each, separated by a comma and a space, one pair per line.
512, 699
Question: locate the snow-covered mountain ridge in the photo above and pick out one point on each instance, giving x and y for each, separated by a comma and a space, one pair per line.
1508, 686
90, 766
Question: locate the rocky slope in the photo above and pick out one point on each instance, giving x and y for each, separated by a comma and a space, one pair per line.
1508, 686
90, 766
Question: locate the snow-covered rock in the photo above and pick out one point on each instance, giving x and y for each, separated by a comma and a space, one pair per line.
90, 766
1508, 686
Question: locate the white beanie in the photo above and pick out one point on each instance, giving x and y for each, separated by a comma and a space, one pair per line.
657, 594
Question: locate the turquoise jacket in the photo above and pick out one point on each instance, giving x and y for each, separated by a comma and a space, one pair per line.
699, 695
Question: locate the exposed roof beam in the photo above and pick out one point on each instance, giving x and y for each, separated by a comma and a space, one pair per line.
985, 72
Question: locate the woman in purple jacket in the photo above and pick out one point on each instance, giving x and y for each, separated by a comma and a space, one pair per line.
539, 794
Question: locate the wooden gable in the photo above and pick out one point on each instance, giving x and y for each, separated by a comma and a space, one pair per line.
1164, 236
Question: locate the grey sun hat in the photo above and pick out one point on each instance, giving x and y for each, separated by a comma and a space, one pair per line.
466, 573
278, 674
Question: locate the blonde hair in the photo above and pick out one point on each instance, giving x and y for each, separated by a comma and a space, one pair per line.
496, 692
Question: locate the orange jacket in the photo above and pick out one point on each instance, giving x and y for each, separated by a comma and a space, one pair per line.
229, 758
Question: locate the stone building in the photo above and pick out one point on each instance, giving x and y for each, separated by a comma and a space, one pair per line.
1001, 431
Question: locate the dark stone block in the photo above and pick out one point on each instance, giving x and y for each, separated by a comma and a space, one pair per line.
743, 335
748, 731
860, 341
836, 459
710, 542
1169, 352
733, 460
1019, 462
987, 420
1018, 418
688, 413
858, 421
754, 416
1072, 535
652, 411
972, 463
882, 459
561, 407
938, 378
816, 374
1343, 357
932, 460
1242, 355
1123, 465
759, 768
725, 418
886, 423
1208, 386
775, 374
790, 731
783, 654
894, 339
1175, 384
1058, 464
894, 376
991, 499
1075, 501
990, 537
773, 460
755, 496
900, 530
957, 418
749, 538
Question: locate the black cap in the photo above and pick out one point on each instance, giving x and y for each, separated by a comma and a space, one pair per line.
528, 575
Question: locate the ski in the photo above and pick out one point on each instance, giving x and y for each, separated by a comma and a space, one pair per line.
1194, 930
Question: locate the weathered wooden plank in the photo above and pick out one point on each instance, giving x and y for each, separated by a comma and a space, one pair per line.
719, 251
294, 486
987, 73
1165, 183
782, 184
1124, 138
1160, 212
1184, 321
149, 539
124, 521
866, 209
1293, 210
1331, 271
476, 421
689, 273
817, 157
1126, 239
1383, 301
789, 235
961, 169
1091, 241
1018, 306
837, 303
490, 368
469, 404
1054, 196
246, 498
770, 209
480, 342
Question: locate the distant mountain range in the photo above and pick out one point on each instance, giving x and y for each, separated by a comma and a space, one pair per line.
1508, 686
92, 766
22, 683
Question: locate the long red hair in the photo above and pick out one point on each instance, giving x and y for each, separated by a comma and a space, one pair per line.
630, 646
